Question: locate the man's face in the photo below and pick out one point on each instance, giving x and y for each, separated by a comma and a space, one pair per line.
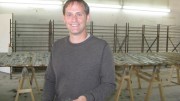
75, 18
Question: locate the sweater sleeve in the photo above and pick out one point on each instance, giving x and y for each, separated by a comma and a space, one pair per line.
49, 86
107, 78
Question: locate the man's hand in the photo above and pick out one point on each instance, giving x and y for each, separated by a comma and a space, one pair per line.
81, 98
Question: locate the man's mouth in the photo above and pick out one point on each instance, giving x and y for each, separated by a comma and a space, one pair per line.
74, 25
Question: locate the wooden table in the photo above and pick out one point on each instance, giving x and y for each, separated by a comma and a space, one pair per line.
127, 62
26, 60
173, 59
130, 61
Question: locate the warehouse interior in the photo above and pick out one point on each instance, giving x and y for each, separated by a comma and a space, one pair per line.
139, 28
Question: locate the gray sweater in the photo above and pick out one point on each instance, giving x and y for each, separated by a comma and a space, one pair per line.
85, 69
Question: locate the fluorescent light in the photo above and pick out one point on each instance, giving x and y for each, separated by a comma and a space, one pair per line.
138, 12
30, 3
146, 9
104, 6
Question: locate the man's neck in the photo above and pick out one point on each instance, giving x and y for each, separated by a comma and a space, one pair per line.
78, 38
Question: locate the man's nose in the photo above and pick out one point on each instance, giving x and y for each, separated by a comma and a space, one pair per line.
74, 17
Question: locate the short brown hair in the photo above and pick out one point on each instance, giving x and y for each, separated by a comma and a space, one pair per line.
86, 7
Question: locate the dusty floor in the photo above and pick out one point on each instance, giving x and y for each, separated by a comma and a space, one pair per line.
171, 90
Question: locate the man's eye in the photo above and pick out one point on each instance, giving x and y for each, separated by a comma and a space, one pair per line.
79, 14
68, 14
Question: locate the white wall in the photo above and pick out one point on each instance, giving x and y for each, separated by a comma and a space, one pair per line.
98, 16
107, 17
5, 36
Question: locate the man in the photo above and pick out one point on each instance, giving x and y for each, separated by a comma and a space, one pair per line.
81, 66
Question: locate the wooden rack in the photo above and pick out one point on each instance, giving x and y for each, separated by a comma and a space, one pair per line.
121, 38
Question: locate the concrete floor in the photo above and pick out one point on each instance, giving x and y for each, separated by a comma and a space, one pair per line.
171, 90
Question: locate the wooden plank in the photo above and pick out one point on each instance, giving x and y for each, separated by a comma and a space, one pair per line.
24, 59
137, 60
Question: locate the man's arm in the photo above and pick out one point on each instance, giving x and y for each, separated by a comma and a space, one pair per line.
49, 86
107, 76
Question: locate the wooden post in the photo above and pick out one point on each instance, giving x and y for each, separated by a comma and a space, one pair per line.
10, 43
50, 36
125, 76
127, 38
115, 37
158, 32
52, 33
91, 27
167, 39
24, 76
143, 33
15, 37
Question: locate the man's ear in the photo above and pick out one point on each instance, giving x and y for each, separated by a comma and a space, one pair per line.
88, 18
64, 19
